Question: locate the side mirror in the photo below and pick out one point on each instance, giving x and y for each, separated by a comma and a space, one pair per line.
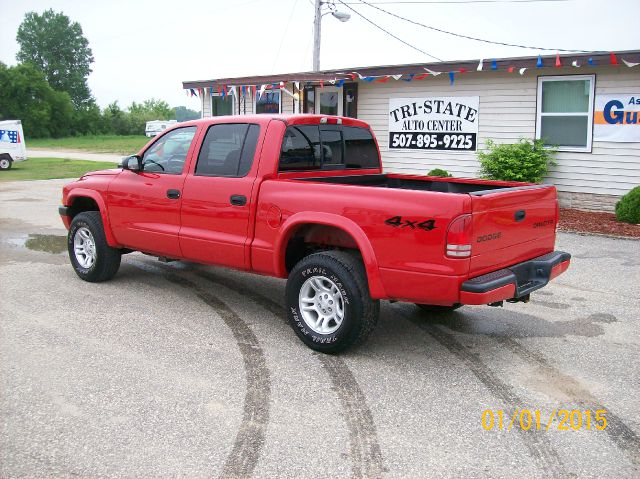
132, 163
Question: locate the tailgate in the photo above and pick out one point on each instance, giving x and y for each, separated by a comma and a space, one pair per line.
511, 225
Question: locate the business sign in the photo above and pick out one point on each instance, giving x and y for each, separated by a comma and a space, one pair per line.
617, 118
434, 123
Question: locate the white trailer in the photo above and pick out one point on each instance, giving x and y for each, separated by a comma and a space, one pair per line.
155, 127
12, 144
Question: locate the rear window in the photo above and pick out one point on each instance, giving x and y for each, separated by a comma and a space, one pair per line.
312, 147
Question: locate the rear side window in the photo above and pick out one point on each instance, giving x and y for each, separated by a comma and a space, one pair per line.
228, 150
309, 147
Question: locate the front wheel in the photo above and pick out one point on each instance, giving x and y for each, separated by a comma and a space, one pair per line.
328, 301
91, 256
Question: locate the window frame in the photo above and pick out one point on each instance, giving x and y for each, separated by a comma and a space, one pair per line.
255, 102
539, 114
204, 137
162, 136
233, 104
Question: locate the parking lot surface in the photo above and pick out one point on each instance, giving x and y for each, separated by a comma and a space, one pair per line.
183, 370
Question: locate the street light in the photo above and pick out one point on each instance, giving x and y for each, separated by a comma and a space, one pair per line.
317, 24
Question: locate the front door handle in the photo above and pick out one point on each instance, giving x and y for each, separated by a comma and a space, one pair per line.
238, 200
173, 194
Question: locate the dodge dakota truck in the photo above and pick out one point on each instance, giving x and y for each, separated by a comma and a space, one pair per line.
304, 197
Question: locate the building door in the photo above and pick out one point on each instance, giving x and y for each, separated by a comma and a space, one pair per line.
328, 101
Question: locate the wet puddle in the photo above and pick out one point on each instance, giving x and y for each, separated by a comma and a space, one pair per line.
54, 244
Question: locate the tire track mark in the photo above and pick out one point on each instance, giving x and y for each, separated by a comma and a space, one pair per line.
250, 439
536, 442
620, 434
364, 448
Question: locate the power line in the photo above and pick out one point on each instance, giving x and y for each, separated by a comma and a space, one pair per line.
459, 35
425, 2
389, 33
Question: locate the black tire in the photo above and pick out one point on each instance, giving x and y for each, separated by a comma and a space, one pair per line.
5, 162
360, 311
433, 308
107, 259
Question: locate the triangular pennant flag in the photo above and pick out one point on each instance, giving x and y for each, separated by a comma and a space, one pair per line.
396, 77
362, 77
321, 84
480, 65
435, 74
281, 85
234, 92
187, 92
463, 70
612, 58
510, 69
333, 82
261, 91
254, 90
522, 70
558, 62
494, 64
422, 76
452, 77
590, 61
297, 85
353, 76
383, 79
539, 62
409, 77
575, 63
193, 93
630, 64
369, 79
339, 83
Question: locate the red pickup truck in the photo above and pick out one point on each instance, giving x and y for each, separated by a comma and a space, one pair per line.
304, 197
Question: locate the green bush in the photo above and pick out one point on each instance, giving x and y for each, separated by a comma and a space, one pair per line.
526, 161
628, 208
439, 172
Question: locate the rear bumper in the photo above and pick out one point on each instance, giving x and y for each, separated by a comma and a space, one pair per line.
515, 281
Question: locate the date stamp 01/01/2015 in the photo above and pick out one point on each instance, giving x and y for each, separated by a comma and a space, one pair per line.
533, 419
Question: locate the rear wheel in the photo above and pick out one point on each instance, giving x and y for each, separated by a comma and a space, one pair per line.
5, 162
92, 258
328, 301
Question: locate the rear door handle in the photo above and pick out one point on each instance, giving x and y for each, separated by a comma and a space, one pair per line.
173, 194
238, 200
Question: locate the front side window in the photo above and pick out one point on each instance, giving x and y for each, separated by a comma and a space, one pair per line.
565, 111
221, 105
168, 154
228, 150
269, 102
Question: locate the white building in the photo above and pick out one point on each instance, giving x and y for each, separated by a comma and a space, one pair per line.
587, 104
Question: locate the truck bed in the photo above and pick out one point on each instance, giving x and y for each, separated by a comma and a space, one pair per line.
472, 186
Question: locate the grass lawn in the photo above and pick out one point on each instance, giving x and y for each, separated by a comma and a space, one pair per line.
50, 168
121, 145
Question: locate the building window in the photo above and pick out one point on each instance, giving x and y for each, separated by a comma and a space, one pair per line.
222, 105
309, 103
350, 100
565, 111
269, 102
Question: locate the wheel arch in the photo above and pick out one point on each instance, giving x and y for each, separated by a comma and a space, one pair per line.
339, 231
81, 200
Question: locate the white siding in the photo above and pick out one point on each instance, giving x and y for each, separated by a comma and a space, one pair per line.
508, 112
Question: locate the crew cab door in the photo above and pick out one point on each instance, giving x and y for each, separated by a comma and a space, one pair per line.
218, 195
144, 206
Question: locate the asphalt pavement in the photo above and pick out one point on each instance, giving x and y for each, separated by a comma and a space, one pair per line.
182, 370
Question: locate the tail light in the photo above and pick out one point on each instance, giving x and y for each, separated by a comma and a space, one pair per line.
458, 238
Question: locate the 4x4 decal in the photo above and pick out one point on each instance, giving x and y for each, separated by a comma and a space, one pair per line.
399, 222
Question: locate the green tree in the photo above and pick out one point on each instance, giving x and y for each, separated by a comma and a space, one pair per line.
182, 113
25, 95
141, 113
57, 46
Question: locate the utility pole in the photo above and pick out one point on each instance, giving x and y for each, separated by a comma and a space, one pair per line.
317, 22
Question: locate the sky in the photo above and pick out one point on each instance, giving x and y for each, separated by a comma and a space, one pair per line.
145, 49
